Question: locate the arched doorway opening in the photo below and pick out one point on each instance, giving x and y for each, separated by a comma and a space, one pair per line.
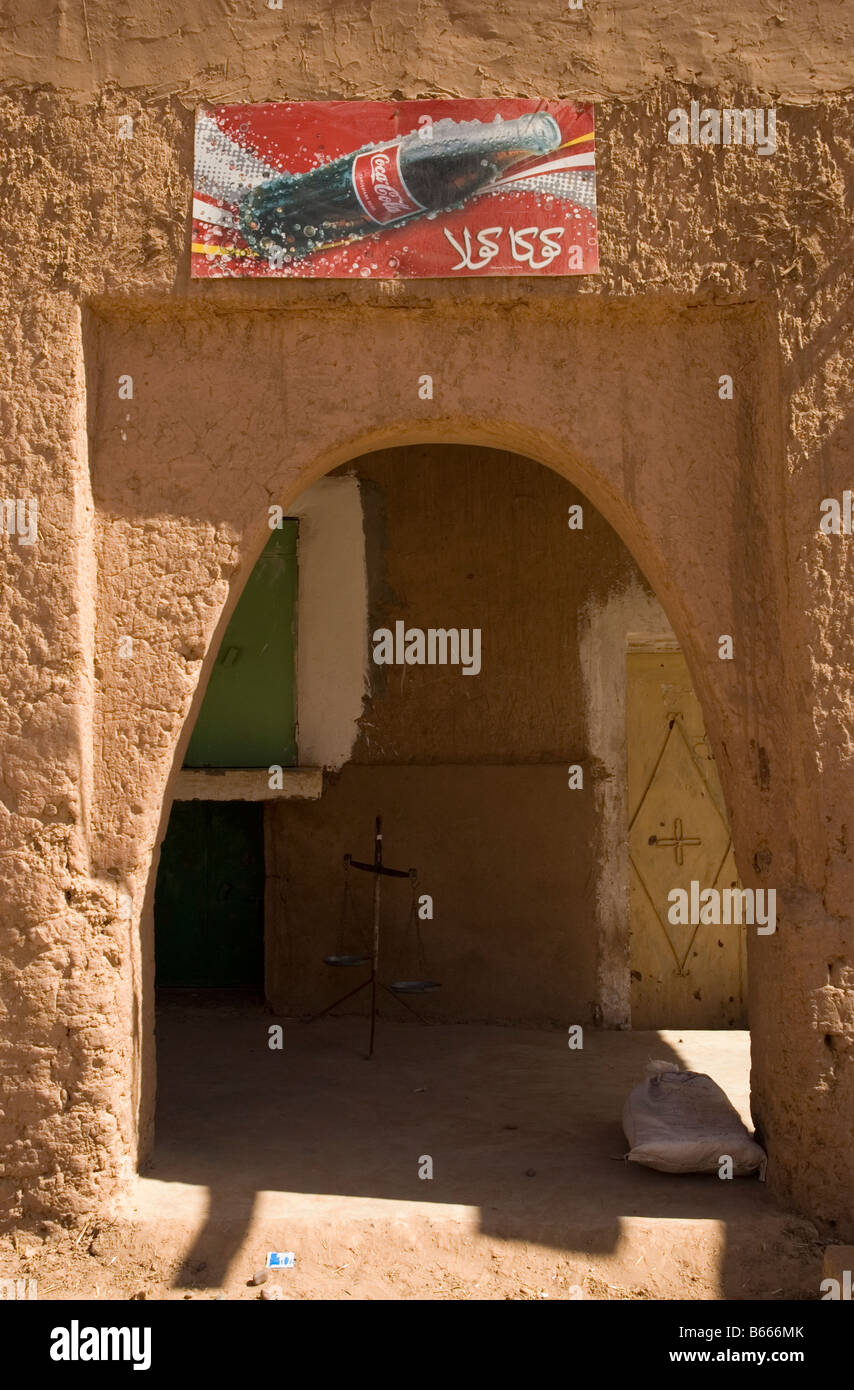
569, 741
512, 779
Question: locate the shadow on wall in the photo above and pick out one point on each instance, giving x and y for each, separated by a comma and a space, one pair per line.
516, 1124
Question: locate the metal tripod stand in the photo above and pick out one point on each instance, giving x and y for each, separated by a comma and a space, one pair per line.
379, 870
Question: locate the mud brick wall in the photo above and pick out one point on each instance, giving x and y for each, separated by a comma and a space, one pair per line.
713, 261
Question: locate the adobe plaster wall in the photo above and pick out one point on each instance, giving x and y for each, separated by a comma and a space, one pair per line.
469, 772
713, 261
332, 625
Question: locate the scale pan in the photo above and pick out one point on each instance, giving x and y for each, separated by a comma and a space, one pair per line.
414, 986
346, 960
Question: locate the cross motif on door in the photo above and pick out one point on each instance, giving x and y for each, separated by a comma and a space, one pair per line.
677, 843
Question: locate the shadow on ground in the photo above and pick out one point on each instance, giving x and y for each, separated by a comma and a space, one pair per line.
516, 1124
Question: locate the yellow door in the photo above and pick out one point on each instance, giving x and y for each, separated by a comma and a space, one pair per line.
682, 976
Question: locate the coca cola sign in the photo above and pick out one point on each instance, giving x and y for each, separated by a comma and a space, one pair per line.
378, 190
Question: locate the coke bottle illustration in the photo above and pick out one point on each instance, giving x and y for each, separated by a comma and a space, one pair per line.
388, 184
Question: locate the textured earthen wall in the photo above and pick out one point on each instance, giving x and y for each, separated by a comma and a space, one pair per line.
466, 538
713, 261
478, 538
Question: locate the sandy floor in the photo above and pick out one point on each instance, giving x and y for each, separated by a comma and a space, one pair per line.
316, 1151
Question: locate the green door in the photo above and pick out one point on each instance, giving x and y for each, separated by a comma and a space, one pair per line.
247, 718
209, 898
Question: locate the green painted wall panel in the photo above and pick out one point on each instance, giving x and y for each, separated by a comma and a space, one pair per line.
247, 718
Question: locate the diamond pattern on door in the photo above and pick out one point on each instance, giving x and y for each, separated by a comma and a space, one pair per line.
682, 976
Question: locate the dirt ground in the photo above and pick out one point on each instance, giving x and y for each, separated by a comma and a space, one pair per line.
313, 1150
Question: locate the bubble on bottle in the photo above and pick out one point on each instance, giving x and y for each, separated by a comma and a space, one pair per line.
365, 273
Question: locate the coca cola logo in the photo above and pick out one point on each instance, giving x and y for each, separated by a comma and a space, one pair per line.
380, 186
390, 197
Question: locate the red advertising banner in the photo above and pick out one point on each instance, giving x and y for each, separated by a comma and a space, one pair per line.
390, 190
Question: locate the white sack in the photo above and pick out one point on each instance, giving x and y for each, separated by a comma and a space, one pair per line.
682, 1122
